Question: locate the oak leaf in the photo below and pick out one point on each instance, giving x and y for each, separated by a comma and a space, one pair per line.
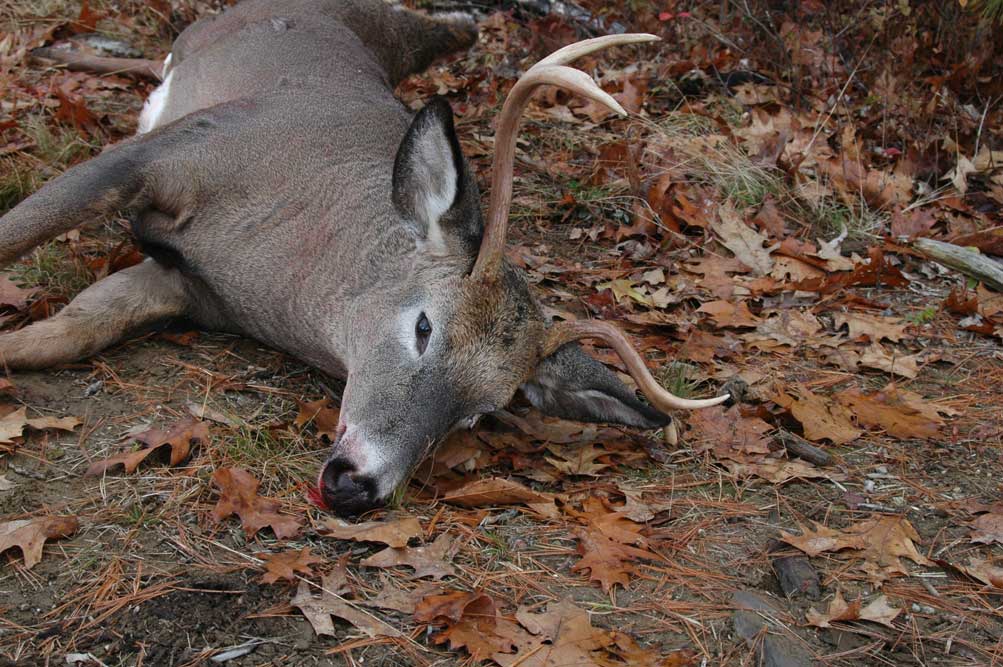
560, 637
821, 417
29, 535
427, 561
881, 542
877, 611
12, 425
874, 327
743, 241
238, 494
499, 491
395, 533
607, 560
728, 434
286, 564
987, 529
472, 622
900, 415
322, 414
876, 356
180, 440
980, 570
577, 460
728, 314
13, 295
319, 610
781, 471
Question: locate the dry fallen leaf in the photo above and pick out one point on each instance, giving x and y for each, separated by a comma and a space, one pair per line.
12, 425
728, 434
428, 561
608, 561
874, 327
319, 610
395, 533
881, 542
876, 356
29, 535
876, 611
987, 529
13, 295
286, 564
180, 440
238, 494
748, 245
560, 637
781, 471
980, 570
900, 415
577, 459
322, 414
821, 418
392, 596
728, 314
499, 491
472, 622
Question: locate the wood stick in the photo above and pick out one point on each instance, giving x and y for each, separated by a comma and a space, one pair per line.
80, 62
969, 262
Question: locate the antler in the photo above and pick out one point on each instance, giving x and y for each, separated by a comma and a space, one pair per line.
551, 70
565, 332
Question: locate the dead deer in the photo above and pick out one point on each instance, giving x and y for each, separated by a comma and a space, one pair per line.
281, 191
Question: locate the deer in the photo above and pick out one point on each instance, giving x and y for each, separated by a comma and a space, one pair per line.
280, 191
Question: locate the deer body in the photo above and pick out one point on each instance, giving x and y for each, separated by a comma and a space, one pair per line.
282, 192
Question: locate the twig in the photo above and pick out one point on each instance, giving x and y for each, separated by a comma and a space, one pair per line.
965, 260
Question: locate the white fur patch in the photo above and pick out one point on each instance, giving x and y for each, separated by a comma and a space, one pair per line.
153, 109
439, 185
167, 65
405, 330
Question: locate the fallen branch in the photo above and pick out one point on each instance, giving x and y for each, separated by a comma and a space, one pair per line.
801, 448
81, 62
969, 262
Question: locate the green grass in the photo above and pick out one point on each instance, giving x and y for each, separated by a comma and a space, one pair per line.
53, 268
830, 218
924, 316
58, 146
16, 182
676, 378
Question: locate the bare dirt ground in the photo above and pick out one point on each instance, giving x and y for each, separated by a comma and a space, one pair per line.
704, 224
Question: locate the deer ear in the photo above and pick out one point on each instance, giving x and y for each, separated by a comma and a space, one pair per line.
572, 385
432, 186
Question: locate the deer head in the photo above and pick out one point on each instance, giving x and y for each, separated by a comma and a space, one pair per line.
461, 332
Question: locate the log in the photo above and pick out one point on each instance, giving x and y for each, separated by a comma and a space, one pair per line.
965, 260
801, 448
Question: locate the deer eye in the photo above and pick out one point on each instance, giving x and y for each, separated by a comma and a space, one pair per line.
422, 332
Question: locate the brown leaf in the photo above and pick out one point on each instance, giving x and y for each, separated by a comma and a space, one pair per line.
821, 417
887, 409
560, 637
987, 529
12, 295
391, 596
743, 241
239, 495
499, 491
727, 314
472, 622
882, 542
781, 471
608, 561
876, 611
12, 425
874, 327
577, 459
428, 561
980, 570
29, 535
395, 533
728, 434
877, 271
878, 357
322, 414
286, 564
319, 610
989, 241
180, 440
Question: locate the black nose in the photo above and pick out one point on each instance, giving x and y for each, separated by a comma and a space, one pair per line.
345, 491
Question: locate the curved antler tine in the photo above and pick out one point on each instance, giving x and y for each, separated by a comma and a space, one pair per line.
573, 52
565, 332
550, 70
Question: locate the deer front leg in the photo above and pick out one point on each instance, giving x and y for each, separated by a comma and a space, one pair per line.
106, 312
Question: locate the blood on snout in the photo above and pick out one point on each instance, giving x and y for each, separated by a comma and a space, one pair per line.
316, 498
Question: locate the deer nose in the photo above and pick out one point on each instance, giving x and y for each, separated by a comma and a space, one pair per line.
344, 490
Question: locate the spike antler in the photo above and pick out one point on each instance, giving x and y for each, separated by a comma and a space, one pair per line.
566, 332
551, 70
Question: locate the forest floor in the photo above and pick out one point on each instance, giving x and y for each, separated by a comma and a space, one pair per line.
752, 225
